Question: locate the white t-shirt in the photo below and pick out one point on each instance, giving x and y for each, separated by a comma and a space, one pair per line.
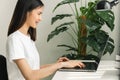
20, 46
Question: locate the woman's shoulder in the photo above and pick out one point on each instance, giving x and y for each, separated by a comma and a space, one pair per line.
18, 36
14, 35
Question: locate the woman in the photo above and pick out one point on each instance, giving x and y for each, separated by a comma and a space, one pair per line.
23, 57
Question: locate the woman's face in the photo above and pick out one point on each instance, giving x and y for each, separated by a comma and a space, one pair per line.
34, 17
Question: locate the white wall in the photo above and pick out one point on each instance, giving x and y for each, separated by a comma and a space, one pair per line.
6, 10
48, 51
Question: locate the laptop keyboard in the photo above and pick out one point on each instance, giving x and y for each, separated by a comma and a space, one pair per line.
89, 67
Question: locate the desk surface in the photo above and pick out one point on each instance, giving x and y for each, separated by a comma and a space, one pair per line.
106, 71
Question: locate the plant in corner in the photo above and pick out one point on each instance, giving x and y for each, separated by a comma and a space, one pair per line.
87, 34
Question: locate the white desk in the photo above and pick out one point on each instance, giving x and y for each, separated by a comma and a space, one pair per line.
106, 71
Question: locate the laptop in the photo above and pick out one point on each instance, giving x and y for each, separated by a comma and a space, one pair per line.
90, 65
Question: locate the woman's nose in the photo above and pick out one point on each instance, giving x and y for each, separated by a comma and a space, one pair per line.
40, 18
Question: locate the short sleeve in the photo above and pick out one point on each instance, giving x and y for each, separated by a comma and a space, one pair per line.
15, 49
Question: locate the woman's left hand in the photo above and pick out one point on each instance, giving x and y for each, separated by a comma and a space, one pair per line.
62, 59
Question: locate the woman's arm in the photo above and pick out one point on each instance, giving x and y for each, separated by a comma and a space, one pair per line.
46, 65
30, 74
61, 59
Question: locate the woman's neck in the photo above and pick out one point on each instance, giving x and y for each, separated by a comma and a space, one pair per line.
24, 29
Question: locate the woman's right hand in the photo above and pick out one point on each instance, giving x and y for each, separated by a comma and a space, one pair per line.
62, 59
72, 63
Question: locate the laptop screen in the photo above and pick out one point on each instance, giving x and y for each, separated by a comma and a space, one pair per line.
100, 54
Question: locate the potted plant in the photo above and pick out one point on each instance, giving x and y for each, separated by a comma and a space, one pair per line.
87, 33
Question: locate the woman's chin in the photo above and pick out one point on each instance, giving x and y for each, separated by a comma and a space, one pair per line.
34, 27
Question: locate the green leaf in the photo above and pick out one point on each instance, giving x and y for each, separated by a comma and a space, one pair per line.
66, 24
101, 36
63, 27
91, 4
108, 17
59, 17
92, 42
70, 56
109, 48
91, 57
111, 40
56, 32
83, 10
92, 26
70, 48
97, 40
65, 2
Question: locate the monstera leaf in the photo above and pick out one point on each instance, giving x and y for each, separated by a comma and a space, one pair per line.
63, 27
65, 2
108, 17
98, 40
59, 17
70, 48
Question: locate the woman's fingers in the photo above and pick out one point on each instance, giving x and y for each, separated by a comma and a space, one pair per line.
70, 63
75, 63
79, 64
82, 64
62, 59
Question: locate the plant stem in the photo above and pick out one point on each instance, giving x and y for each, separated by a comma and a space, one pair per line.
72, 9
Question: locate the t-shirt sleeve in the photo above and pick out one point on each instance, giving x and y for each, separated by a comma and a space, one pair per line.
15, 49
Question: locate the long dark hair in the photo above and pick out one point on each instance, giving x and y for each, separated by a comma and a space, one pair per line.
20, 15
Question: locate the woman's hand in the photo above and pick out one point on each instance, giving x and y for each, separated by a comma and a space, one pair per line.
65, 62
73, 63
62, 59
